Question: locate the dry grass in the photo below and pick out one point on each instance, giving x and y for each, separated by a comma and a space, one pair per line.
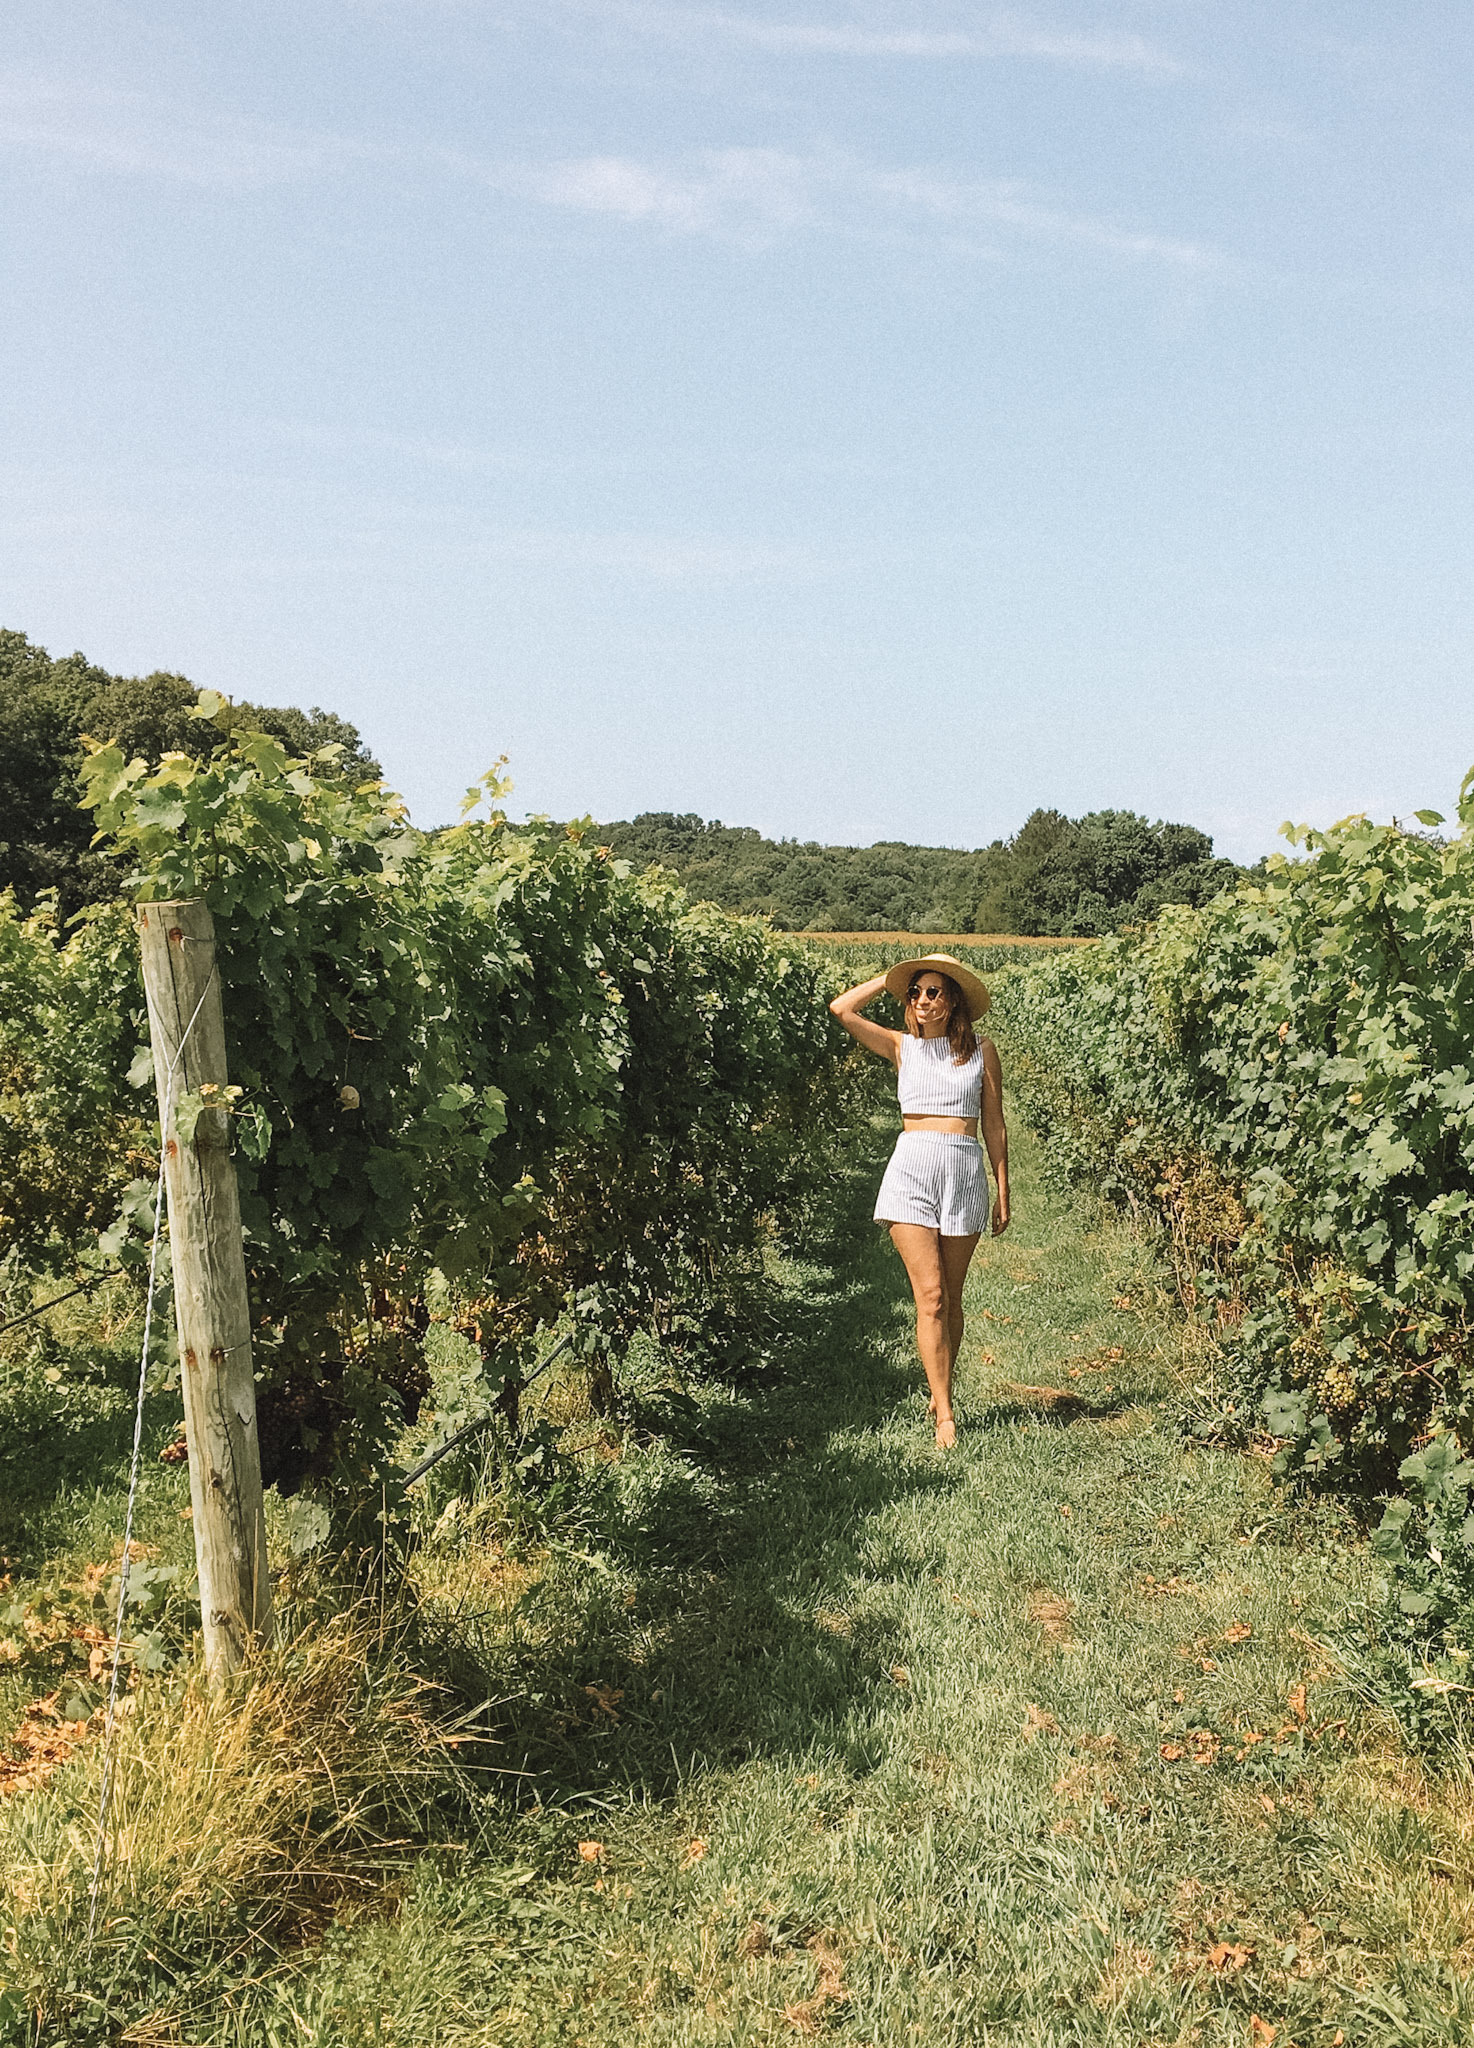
1051, 1612
242, 1818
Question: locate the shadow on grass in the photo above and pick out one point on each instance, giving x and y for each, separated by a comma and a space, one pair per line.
724, 1617
995, 1416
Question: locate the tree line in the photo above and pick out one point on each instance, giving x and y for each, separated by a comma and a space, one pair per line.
47, 704
1057, 877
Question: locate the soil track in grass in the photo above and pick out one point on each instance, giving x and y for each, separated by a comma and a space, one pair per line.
827, 1734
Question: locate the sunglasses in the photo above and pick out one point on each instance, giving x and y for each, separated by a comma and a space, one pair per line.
931, 991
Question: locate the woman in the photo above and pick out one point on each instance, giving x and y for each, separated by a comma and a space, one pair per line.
934, 1197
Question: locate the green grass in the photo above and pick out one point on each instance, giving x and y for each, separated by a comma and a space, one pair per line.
68, 1384
865, 1741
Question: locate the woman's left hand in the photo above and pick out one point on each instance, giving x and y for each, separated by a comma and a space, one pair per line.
1000, 1213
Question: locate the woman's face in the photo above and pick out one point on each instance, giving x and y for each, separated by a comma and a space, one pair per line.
930, 996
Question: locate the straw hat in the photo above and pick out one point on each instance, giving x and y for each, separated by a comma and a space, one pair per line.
900, 977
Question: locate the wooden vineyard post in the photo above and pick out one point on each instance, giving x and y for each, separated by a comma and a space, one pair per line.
211, 1306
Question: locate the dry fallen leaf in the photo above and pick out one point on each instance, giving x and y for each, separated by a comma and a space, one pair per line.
1297, 1701
1261, 2033
1037, 1721
45, 1741
1237, 1632
1229, 1955
694, 1853
591, 1851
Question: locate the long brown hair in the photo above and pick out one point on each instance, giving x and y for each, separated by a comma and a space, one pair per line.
960, 1034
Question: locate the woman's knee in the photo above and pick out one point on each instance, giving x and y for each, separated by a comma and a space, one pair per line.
931, 1300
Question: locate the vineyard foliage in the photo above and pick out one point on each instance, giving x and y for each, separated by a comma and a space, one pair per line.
485, 1075
1285, 1077
71, 1138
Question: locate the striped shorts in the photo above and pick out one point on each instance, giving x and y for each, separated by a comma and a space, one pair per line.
937, 1179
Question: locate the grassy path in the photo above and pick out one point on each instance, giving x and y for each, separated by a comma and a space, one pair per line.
1031, 1744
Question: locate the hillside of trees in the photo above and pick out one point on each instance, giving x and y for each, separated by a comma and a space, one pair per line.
47, 705
1056, 877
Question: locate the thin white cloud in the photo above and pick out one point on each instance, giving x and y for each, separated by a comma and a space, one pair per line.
755, 197
128, 134
1007, 204
306, 530
723, 191
761, 194
1000, 35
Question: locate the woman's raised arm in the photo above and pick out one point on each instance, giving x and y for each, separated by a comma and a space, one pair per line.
995, 1131
849, 1009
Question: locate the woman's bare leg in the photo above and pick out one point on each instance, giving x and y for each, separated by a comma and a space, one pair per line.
921, 1255
956, 1258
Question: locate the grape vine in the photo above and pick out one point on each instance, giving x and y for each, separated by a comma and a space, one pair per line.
488, 1073
1285, 1079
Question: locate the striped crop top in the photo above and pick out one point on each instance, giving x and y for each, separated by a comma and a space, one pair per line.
929, 1081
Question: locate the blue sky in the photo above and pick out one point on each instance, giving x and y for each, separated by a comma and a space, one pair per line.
859, 421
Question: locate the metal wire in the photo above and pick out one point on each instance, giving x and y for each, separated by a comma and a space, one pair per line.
85, 1288
482, 1421
133, 1474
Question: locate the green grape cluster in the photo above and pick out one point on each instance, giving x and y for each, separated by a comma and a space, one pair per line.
1337, 1389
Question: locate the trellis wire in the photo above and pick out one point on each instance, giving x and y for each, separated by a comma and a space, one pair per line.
482, 1421
57, 1299
133, 1471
